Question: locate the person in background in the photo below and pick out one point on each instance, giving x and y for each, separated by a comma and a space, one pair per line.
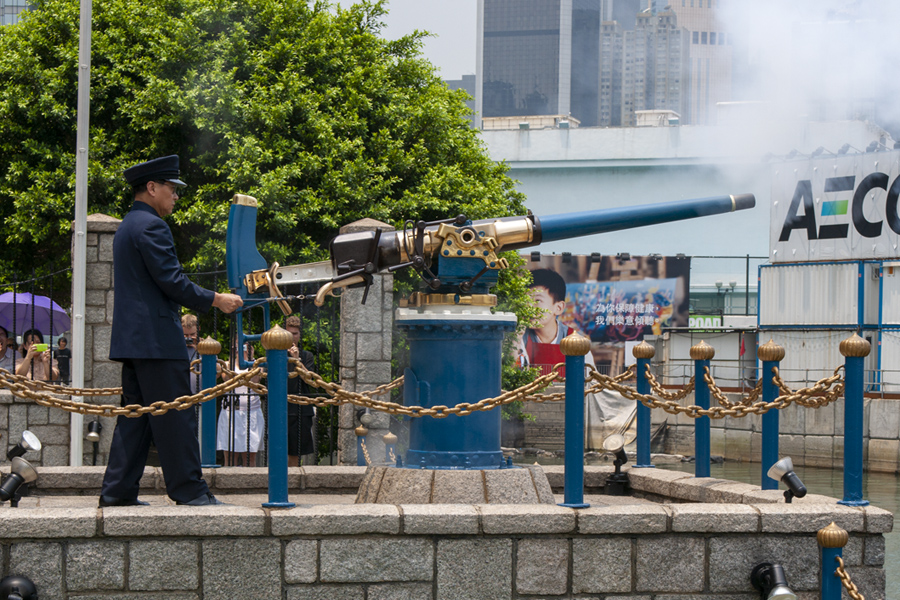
63, 358
36, 363
7, 353
191, 336
241, 425
300, 418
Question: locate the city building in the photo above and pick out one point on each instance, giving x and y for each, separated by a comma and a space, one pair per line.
10, 11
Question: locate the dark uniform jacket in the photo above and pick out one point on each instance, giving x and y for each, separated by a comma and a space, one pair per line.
150, 286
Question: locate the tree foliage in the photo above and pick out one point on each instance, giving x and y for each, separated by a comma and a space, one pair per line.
297, 103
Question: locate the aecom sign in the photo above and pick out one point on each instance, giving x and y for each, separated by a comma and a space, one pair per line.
836, 208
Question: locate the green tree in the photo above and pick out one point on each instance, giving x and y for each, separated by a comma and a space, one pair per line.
298, 103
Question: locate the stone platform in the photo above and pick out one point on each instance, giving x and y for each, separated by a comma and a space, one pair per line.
676, 536
390, 485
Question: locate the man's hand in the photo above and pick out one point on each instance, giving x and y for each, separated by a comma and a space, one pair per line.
227, 303
294, 351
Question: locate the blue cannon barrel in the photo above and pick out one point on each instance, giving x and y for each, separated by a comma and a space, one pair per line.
552, 228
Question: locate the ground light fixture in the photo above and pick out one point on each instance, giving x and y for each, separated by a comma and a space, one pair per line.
617, 483
93, 436
17, 587
28, 443
783, 471
771, 582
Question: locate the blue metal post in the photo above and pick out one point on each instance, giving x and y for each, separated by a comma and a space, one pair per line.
701, 353
854, 349
832, 540
276, 341
209, 350
574, 346
770, 354
643, 352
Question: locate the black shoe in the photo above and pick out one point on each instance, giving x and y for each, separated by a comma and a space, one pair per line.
113, 501
206, 499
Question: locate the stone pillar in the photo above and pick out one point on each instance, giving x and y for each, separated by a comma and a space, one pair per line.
366, 338
99, 371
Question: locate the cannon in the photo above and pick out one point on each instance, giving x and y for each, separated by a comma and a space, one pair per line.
455, 339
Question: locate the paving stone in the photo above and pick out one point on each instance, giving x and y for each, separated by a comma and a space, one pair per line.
601, 565
371, 483
632, 518
654, 481
542, 566
65, 523
530, 519
542, 485
439, 519
874, 551
41, 563
163, 565
326, 592
800, 517
683, 558
714, 518
338, 519
509, 486
231, 567
730, 492
334, 478
405, 486
199, 521
459, 487
474, 569
136, 596
301, 561
400, 591
371, 560
95, 566
732, 558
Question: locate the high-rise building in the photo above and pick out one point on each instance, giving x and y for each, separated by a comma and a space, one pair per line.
539, 57
711, 51
10, 11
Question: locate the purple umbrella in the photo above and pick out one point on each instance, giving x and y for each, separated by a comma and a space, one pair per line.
41, 306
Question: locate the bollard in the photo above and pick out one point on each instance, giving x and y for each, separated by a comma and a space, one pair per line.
855, 349
643, 352
276, 341
390, 447
209, 350
770, 354
361, 432
701, 353
574, 347
832, 540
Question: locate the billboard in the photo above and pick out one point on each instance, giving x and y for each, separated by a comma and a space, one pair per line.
614, 302
836, 208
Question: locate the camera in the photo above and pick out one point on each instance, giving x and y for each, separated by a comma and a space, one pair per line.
189, 341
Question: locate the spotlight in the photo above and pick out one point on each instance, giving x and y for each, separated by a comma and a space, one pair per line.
29, 442
535, 256
845, 149
783, 471
17, 587
567, 257
93, 433
771, 582
623, 256
596, 257
366, 418
818, 151
872, 147
617, 483
22, 473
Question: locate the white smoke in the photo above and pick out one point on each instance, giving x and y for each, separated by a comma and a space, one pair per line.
817, 60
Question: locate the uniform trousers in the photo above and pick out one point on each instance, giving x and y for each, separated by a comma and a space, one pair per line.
145, 381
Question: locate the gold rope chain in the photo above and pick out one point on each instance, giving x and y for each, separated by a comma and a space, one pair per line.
851, 588
40, 392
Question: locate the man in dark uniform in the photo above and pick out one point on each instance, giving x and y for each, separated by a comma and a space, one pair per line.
300, 418
148, 340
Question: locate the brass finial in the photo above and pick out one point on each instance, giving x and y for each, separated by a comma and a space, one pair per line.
277, 339
643, 350
575, 345
855, 346
832, 536
389, 439
770, 351
702, 351
361, 431
209, 346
